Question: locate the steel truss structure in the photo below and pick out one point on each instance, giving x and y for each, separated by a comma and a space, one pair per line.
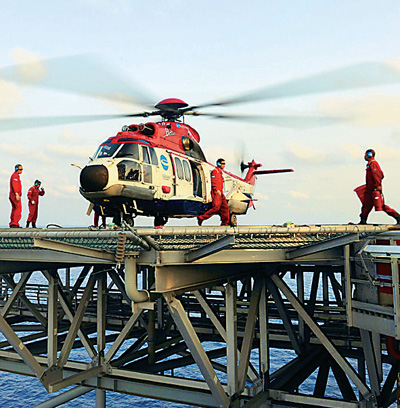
266, 316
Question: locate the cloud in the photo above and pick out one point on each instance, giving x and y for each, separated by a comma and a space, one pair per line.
298, 194
81, 152
10, 97
301, 152
30, 67
371, 111
27, 153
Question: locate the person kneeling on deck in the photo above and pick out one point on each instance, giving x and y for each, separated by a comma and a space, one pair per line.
219, 203
373, 190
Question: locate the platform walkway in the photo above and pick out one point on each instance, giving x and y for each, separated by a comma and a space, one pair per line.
146, 303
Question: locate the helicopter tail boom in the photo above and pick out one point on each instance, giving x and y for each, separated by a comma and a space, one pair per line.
253, 171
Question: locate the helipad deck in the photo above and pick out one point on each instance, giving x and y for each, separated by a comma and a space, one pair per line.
310, 289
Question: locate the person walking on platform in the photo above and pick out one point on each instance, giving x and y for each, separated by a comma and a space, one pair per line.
219, 203
33, 202
15, 196
373, 190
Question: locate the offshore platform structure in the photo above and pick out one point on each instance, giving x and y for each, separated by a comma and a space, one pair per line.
265, 316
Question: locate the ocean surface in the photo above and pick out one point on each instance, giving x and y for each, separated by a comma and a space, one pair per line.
25, 392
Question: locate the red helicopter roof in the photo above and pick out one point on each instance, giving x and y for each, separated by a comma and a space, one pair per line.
171, 103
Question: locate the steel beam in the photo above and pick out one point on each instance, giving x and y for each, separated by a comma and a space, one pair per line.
20, 348
323, 246
64, 397
76, 322
249, 334
16, 292
58, 246
252, 374
342, 362
231, 338
371, 361
122, 336
209, 249
27, 302
188, 333
52, 321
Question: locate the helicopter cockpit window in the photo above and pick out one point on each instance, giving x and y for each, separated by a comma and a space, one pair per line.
107, 150
153, 156
188, 176
179, 169
129, 150
146, 157
128, 170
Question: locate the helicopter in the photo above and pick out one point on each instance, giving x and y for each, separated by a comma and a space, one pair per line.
158, 168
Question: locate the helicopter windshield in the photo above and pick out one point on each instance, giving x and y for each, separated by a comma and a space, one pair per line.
129, 150
107, 150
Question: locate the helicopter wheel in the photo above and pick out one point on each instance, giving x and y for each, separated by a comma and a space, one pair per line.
233, 220
160, 221
129, 220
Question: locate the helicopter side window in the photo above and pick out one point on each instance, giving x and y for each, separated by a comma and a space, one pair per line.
188, 176
128, 170
179, 168
107, 150
146, 157
129, 150
153, 156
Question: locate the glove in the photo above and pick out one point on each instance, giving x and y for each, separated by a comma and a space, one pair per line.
32, 202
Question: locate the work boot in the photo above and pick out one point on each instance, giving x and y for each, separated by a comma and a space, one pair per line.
397, 218
33, 224
199, 221
363, 221
27, 224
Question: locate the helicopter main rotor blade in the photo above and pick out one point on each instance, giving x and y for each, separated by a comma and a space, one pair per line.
79, 74
41, 121
287, 121
357, 76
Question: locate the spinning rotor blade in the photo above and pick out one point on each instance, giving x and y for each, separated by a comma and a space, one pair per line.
41, 121
287, 121
78, 74
352, 77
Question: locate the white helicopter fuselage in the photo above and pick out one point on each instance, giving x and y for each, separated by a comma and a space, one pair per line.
137, 178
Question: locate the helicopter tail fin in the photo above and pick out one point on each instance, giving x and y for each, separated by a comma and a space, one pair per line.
253, 171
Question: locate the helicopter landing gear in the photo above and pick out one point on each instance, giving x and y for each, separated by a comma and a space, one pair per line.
128, 218
160, 221
117, 219
233, 220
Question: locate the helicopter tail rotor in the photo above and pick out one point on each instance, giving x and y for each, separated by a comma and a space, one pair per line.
243, 166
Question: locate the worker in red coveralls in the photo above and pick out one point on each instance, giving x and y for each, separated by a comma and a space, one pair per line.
219, 203
33, 202
373, 180
15, 196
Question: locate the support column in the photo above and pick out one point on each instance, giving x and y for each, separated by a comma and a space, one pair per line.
231, 338
52, 321
264, 336
101, 315
100, 398
190, 336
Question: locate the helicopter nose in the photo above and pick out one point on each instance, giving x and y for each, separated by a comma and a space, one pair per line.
94, 178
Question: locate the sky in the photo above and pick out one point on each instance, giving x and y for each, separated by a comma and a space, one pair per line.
203, 51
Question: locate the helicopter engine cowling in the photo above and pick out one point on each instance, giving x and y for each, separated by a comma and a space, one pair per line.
94, 178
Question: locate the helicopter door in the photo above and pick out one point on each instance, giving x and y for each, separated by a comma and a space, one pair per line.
147, 169
198, 180
183, 176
